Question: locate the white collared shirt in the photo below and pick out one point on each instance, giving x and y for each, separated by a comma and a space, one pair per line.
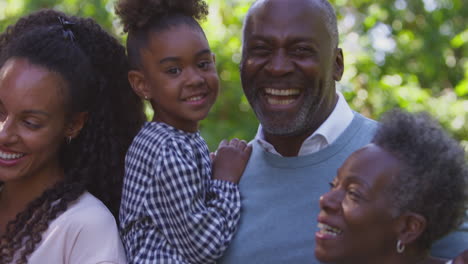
329, 131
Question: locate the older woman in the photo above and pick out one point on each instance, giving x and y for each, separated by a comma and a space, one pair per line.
394, 197
67, 116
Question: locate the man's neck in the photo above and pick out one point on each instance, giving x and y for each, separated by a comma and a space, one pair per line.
287, 146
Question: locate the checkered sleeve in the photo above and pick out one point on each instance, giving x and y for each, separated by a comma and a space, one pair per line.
197, 220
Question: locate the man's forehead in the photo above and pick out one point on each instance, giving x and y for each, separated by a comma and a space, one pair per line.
287, 10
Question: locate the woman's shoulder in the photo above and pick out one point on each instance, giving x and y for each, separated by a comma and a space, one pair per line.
87, 212
85, 231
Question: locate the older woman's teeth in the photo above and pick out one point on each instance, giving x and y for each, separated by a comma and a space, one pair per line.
329, 230
10, 156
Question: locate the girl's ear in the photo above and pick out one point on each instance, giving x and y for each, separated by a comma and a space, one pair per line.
214, 57
138, 82
410, 226
75, 125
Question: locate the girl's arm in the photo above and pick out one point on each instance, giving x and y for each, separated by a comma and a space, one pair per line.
197, 216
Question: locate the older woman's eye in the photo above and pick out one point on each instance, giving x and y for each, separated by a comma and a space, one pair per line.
353, 195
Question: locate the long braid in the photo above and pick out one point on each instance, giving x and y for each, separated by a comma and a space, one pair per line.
94, 160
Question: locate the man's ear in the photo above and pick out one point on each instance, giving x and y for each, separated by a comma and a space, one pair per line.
139, 85
339, 65
75, 125
410, 226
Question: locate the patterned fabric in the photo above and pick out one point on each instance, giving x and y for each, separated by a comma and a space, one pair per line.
171, 211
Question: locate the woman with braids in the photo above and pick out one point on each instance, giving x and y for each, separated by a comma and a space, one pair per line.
392, 199
67, 116
174, 209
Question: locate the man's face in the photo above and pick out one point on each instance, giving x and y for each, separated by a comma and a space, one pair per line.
289, 66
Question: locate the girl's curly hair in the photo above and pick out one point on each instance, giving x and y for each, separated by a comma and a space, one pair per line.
94, 67
139, 17
433, 181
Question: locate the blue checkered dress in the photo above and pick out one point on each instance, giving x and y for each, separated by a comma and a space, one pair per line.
171, 211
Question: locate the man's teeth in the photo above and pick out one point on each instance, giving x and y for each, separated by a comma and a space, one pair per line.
282, 92
329, 230
10, 156
274, 101
195, 98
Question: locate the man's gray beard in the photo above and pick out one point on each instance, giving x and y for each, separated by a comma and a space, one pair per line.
301, 124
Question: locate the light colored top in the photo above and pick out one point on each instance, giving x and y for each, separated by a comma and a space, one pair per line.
86, 233
280, 200
171, 210
327, 133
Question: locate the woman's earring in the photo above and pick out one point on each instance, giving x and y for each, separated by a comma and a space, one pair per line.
400, 247
69, 139
146, 97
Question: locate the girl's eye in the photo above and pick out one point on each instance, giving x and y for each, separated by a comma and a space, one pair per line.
174, 71
204, 64
332, 185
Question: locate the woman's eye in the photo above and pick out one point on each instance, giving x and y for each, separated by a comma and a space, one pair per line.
332, 185
32, 125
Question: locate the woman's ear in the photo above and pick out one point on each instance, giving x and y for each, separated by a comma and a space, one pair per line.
138, 82
75, 125
410, 226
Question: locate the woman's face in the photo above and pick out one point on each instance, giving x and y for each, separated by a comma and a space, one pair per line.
355, 221
32, 121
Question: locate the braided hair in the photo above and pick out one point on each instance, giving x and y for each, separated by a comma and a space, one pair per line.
140, 17
94, 67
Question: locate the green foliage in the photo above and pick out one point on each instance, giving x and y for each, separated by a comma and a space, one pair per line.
402, 53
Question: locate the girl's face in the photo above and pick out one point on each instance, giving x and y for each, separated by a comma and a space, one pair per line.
180, 76
32, 122
355, 221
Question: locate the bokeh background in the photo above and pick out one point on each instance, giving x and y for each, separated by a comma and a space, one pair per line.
411, 54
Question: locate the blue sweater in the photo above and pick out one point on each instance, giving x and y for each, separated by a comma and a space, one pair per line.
280, 199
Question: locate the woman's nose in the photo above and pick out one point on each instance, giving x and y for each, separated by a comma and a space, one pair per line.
331, 201
7, 131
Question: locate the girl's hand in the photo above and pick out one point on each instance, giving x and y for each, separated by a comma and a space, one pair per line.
462, 258
230, 160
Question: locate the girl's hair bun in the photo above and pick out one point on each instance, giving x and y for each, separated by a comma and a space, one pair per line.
136, 14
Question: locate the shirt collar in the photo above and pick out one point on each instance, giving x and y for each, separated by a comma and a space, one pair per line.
327, 133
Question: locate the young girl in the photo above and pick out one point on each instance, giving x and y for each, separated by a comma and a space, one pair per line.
67, 116
174, 209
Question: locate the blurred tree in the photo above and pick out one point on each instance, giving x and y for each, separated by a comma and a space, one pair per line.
398, 53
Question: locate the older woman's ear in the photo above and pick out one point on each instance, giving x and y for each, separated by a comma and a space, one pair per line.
409, 227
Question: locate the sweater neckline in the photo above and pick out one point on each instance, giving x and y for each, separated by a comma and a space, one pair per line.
317, 157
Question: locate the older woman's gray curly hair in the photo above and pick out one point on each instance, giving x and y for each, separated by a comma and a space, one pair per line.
434, 178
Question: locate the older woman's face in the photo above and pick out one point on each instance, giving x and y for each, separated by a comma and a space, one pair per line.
355, 221
32, 121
